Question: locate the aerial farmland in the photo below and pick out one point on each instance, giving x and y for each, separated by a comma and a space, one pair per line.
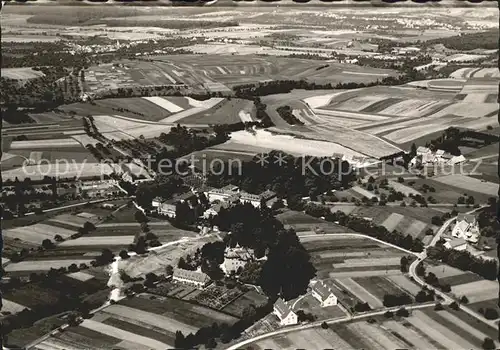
252, 177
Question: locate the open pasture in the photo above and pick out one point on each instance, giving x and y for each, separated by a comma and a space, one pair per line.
37, 233
21, 73
301, 222
221, 111
99, 241
476, 291
63, 171
26, 266
467, 183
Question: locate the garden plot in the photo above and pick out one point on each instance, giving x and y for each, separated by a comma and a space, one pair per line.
392, 221
438, 332
404, 283
406, 190
71, 220
124, 335
443, 271
380, 261
24, 73
12, 307
61, 171
475, 291
45, 265
289, 144
416, 228
37, 233
357, 104
81, 276
44, 144
376, 336
99, 241
468, 183
360, 292
411, 335
364, 192
364, 273
164, 103
142, 318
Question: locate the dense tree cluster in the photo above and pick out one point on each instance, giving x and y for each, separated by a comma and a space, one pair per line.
464, 42
464, 261
288, 269
391, 300
286, 112
293, 179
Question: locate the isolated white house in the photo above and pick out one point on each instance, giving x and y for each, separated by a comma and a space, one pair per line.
284, 312
466, 228
324, 294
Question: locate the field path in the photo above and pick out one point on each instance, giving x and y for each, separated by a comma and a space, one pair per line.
121, 334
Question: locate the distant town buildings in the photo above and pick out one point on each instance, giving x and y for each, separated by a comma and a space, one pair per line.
466, 228
324, 294
285, 313
94, 189
195, 278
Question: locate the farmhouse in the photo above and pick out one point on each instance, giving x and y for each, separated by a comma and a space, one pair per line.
237, 257
466, 228
215, 209
284, 312
324, 294
456, 244
198, 279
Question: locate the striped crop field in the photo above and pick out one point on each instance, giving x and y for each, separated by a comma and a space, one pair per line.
98, 241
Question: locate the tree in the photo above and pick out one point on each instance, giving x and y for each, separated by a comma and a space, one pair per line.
124, 255
488, 344
454, 306
490, 314
464, 300
140, 217
211, 343
324, 325
401, 179
438, 307
388, 314
47, 244
179, 340
402, 312
58, 238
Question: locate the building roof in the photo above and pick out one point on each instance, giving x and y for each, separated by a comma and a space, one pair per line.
456, 242
267, 194
323, 291
194, 276
422, 149
282, 308
469, 218
239, 253
462, 226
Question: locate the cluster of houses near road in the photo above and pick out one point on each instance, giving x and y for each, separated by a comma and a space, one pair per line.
465, 231
217, 197
426, 156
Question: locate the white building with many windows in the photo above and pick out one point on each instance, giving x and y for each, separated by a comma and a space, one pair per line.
285, 313
466, 228
324, 294
196, 278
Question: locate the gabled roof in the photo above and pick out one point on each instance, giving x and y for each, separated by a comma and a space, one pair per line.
282, 308
323, 291
422, 149
456, 242
194, 276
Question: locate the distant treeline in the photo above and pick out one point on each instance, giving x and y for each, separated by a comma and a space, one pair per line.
464, 42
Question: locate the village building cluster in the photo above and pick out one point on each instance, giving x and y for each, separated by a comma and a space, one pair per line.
426, 156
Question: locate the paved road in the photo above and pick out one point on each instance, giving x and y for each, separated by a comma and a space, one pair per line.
330, 321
